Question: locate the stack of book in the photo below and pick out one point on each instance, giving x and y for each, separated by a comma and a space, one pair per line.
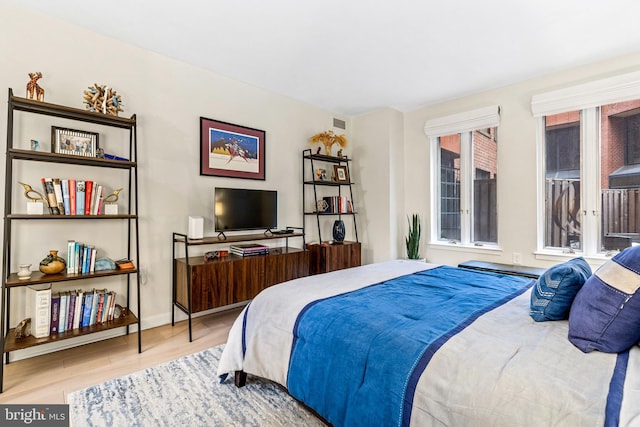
81, 258
73, 196
246, 249
338, 204
54, 313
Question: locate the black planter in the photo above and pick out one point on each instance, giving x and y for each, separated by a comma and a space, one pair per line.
338, 231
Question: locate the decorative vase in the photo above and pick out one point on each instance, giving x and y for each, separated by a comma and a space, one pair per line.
338, 231
52, 263
24, 271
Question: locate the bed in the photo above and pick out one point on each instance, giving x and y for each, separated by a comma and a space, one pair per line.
410, 343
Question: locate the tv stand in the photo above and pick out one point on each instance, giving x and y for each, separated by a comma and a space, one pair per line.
200, 285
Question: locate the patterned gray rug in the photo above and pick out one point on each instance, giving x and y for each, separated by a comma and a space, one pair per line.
186, 392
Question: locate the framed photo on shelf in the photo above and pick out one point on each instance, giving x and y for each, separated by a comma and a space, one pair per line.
231, 150
341, 174
321, 175
72, 142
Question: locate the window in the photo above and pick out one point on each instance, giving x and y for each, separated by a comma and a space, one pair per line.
589, 160
465, 177
562, 211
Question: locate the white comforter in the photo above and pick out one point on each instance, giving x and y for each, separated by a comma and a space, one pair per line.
502, 370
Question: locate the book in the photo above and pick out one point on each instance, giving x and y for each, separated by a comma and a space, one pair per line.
247, 249
92, 264
94, 306
72, 310
72, 196
50, 194
71, 247
88, 191
65, 196
112, 305
55, 312
38, 308
84, 264
100, 200
62, 313
86, 309
77, 316
76, 258
124, 264
96, 200
57, 189
100, 307
80, 194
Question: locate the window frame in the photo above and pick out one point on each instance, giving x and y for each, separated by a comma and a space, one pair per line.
586, 98
465, 124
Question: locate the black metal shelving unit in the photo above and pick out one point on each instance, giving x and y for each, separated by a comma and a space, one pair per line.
10, 280
311, 162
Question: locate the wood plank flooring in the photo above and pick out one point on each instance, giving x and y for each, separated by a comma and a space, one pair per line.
48, 378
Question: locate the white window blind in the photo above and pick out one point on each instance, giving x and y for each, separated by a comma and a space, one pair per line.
485, 117
620, 88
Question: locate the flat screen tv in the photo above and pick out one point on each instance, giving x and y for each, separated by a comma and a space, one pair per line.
240, 209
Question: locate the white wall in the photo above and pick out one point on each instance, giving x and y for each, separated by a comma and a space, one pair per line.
168, 98
379, 161
516, 161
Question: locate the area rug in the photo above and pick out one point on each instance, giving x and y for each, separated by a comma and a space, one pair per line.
186, 392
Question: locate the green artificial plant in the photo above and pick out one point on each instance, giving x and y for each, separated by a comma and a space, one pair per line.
413, 239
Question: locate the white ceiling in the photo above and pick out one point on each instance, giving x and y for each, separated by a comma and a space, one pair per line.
353, 56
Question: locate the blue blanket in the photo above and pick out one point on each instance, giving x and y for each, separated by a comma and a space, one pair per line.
351, 349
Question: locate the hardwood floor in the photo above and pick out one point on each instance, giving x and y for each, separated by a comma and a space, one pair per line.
48, 378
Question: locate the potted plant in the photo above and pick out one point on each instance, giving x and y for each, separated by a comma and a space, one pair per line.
413, 239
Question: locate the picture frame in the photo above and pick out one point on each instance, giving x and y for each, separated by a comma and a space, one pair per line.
73, 142
321, 175
341, 173
230, 150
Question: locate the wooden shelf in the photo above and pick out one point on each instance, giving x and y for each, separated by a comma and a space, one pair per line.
210, 240
325, 158
330, 213
46, 108
70, 217
199, 260
42, 156
38, 277
11, 344
328, 183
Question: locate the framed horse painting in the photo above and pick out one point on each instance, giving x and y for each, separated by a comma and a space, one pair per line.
231, 150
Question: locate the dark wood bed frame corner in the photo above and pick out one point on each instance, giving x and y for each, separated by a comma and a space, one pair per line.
240, 378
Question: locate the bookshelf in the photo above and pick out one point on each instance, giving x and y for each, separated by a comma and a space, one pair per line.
27, 159
327, 255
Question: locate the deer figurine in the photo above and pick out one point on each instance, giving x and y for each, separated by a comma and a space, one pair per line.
33, 89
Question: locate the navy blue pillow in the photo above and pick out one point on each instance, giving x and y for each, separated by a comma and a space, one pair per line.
605, 315
555, 290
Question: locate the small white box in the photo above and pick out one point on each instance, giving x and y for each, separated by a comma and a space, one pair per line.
34, 208
111, 209
196, 227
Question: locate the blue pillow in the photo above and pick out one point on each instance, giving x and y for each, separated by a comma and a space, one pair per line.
555, 290
605, 315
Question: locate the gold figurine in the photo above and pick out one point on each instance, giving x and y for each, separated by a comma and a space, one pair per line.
113, 197
28, 189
